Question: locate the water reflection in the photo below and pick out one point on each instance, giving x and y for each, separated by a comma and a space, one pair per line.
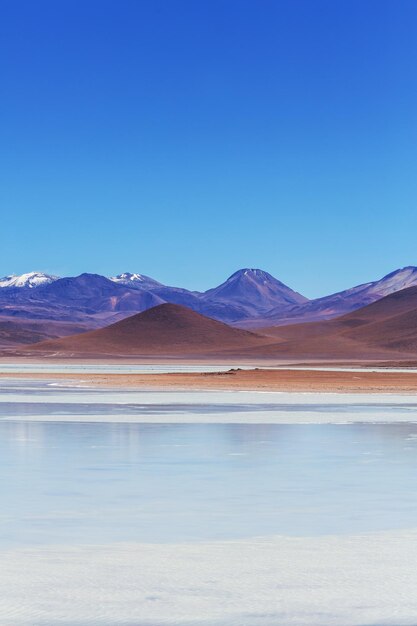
83, 482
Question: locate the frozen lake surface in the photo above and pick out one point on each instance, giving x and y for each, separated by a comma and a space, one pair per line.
215, 508
95, 483
57, 401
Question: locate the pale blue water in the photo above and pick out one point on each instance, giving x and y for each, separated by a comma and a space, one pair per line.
82, 482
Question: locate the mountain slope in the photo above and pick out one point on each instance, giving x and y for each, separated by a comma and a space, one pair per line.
164, 330
86, 298
339, 303
256, 286
384, 329
249, 293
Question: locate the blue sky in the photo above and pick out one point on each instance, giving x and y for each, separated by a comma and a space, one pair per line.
186, 139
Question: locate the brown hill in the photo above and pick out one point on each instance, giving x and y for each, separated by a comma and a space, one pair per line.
385, 329
164, 330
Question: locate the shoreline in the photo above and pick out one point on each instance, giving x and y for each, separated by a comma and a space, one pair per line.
285, 380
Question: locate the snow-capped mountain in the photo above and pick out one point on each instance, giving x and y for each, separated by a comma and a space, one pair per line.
94, 294
89, 299
343, 302
29, 280
174, 295
367, 293
395, 281
137, 281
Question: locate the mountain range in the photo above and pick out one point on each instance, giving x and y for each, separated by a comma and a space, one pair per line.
341, 302
37, 306
383, 330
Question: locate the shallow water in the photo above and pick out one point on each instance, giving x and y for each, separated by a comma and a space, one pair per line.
68, 477
35, 400
206, 508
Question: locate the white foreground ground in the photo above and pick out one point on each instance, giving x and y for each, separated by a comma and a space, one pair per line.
366, 580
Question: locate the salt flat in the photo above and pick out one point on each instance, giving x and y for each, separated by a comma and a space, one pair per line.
328, 581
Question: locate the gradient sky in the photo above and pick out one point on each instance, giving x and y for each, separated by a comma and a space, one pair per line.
185, 139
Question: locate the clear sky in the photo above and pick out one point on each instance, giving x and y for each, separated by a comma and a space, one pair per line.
185, 139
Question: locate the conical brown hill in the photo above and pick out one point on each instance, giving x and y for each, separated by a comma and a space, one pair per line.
382, 330
167, 329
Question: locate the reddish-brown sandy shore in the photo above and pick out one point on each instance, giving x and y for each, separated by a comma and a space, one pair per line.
254, 379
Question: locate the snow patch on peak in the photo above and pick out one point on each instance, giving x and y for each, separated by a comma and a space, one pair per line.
256, 288
135, 280
29, 280
251, 273
127, 276
395, 281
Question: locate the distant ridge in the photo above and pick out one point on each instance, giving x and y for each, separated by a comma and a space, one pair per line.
164, 330
97, 301
341, 302
249, 299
